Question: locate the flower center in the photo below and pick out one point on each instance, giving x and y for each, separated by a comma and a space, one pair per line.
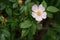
38, 13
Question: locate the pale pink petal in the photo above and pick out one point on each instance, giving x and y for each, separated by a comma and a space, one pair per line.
39, 19
34, 15
44, 15
34, 8
41, 8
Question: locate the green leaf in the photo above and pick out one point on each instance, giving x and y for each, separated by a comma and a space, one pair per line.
26, 24
10, 20
13, 0
44, 4
52, 9
24, 33
9, 11
2, 37
15, 5
33, 29
39, 26
13, 23
6, 33
27, 1
2, 6
50, 15
22, 9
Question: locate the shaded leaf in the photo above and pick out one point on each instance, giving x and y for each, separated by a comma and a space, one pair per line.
50, 15
24, 33
9, 11
44, 4
26, 24
15, 5
39, 26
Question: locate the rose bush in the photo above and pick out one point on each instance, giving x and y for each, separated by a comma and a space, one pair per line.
29, 20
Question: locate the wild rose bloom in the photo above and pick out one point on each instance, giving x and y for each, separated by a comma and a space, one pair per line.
39, 12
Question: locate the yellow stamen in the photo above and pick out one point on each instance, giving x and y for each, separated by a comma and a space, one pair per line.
38, 13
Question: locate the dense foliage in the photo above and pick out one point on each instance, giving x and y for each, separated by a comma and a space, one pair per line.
17, 23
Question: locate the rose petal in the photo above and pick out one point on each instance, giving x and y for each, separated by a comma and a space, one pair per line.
34, 15
41, 8
44, 15
34, 8
39, 19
